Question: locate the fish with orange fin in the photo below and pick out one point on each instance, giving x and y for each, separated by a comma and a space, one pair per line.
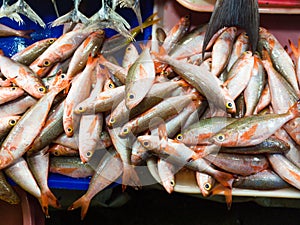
108, 170
22, 135
39, 166
254, 129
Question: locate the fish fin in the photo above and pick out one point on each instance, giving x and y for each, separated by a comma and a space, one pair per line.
130, 177
25, 33
83, 202
219, 188
44, 204
52, 200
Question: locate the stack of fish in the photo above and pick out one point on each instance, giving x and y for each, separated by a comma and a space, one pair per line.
232, 116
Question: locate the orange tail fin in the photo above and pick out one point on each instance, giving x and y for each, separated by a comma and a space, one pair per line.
83, 202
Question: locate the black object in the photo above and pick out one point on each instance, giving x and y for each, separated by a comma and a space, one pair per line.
239, 13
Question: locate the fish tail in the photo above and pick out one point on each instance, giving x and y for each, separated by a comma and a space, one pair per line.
25, 33
83, 202
63, 19
226, 191
52, 200
130, 177
44, 204
295, 50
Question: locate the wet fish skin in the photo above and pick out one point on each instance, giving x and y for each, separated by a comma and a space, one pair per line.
201, 131
139, 79
239, 164
165, 109
90, 45
221, 50
255, 86
176, 33
263, 180
280, 58
240, 45
253, 129
270, 145
51, 130
70, 166
30, 53
10, 93
202, 79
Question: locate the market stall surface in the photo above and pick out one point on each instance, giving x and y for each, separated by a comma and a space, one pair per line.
152, 206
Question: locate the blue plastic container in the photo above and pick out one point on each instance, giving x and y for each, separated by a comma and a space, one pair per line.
45, 9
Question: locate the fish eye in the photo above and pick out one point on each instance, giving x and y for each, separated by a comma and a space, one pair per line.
129, 48
56, 153
12, 122
221, 137
111, 85
229, 105
172, 183
46, 63
126, 130
69, 129
179, 137
62, 76
81, 109
245, 35
146, 143
89, 154
51, 40
207, 186
42, 89
131, 96
13, 88
112, 120
164, 73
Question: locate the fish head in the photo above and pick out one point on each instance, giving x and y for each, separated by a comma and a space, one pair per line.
149, 142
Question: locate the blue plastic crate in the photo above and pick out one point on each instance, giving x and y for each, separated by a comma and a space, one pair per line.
45, 9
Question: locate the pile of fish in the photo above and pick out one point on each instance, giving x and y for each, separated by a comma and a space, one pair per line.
232, 116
